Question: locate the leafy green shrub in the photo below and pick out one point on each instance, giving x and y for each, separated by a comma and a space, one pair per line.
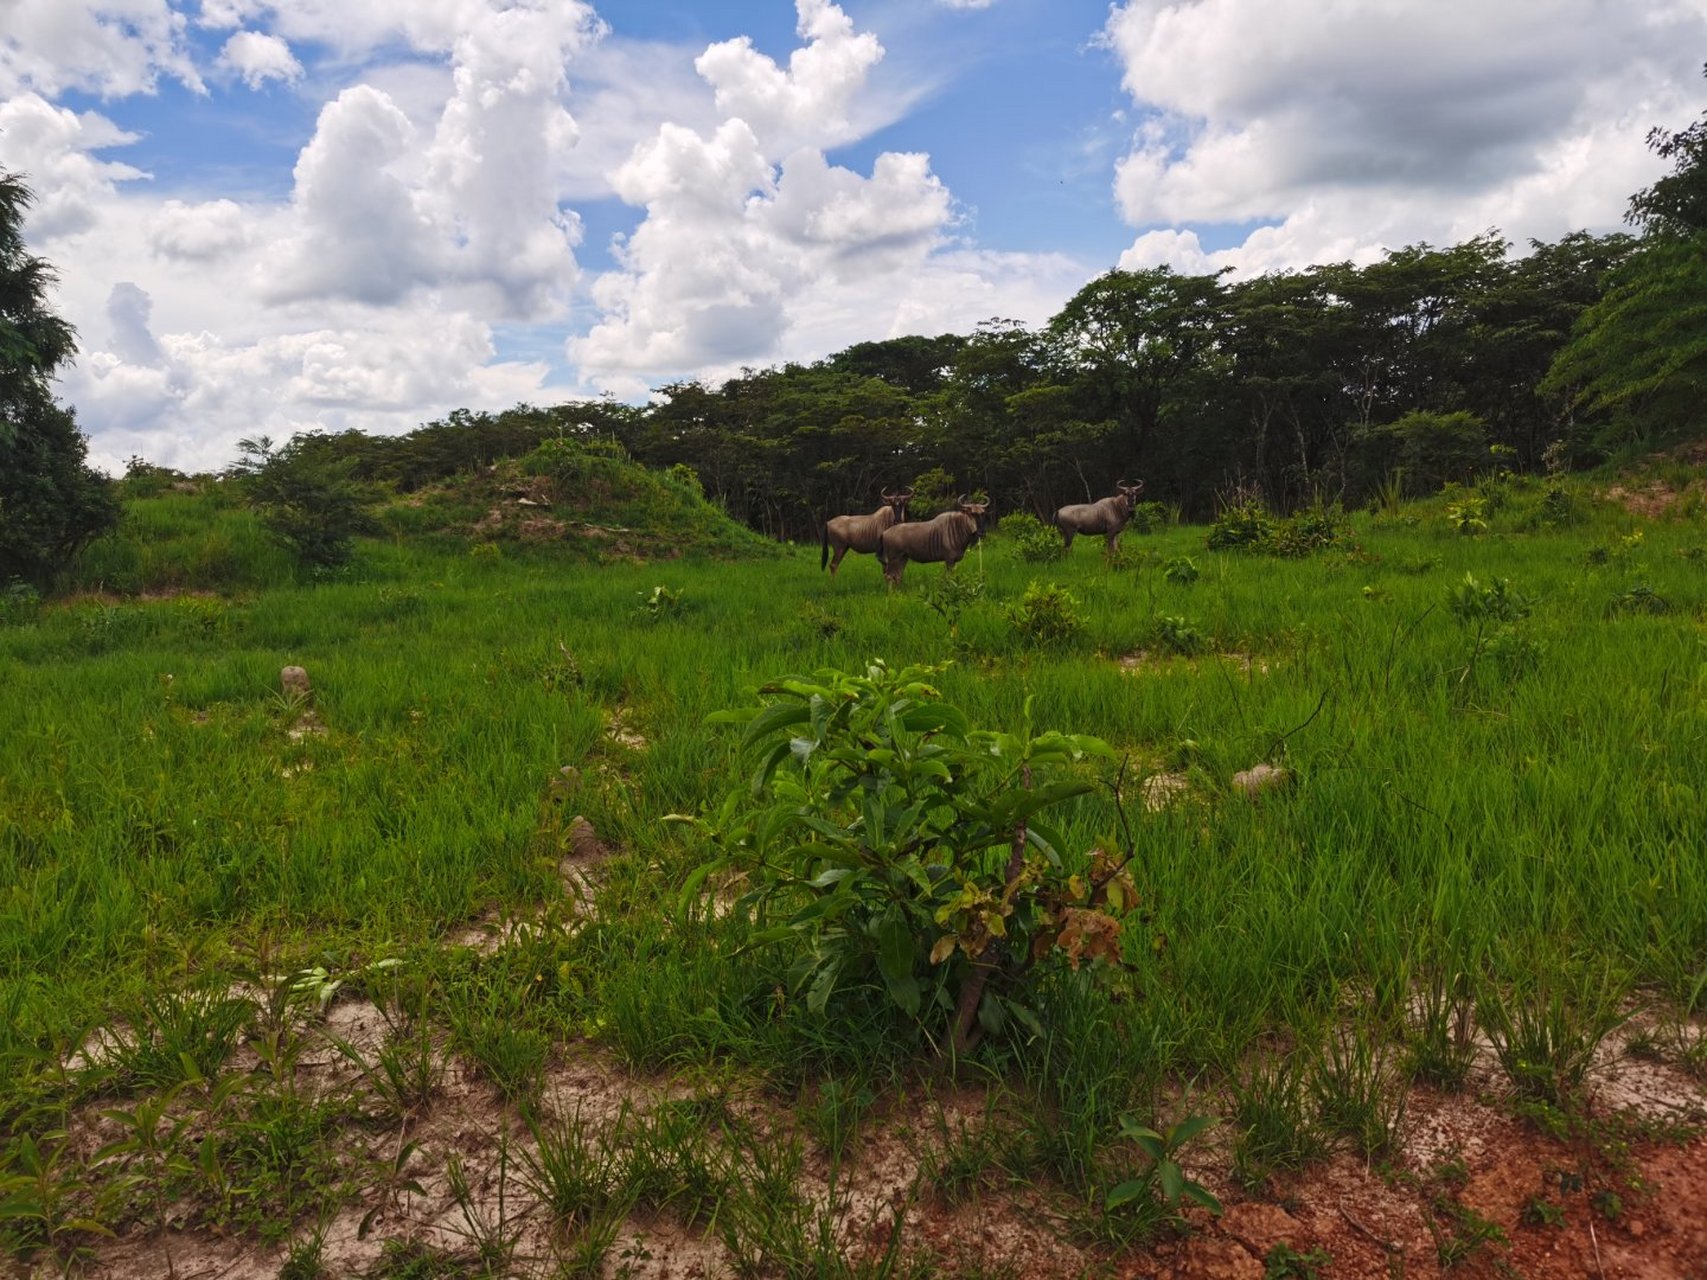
1466, 516
1306, 532
1244, 522
1034, 542
1640, 598
309, 503
1181, 571
1164, 1180
1047, 614
660, 603
1178, 635
1147, 517
894, 849
19, 602
685, 477
1473, 601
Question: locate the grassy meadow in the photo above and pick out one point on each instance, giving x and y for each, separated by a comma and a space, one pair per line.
1496, 741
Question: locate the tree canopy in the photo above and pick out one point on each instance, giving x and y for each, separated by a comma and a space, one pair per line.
51, 502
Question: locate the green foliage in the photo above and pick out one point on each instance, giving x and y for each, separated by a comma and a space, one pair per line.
1178, 635
1164, 1180
1046, 614
1466, 516
19, 603
310, 504
1428, 450
1182, 571
1547, 1025
660, 603
1474, 601
1243, 523
1034, 542
894, 848
1307, 532
934, 491
1637, 359
51, 503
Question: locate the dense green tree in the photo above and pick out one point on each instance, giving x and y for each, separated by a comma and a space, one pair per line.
51, 502
1677, 204
1636, 364
1133, 337
306, 498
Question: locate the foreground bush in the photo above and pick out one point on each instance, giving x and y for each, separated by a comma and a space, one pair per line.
890, 845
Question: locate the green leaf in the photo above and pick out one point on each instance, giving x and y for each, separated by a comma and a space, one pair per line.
767, 766
1189, 1128
1026, 1018
1125, 1193
819, 994
777, 716
894, 947
835, 875
1173, 1181
895, 950
1198, 1192
691, 886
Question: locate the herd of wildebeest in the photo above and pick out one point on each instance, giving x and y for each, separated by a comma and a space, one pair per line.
886, 533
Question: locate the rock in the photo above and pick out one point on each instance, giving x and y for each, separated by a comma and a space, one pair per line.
1259, 778
584, 842
294, 680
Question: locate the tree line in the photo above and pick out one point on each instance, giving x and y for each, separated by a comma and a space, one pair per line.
1309, 387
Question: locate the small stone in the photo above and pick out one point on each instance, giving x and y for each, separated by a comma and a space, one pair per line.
1636, 1229
584, 842
294, 680
1259, 778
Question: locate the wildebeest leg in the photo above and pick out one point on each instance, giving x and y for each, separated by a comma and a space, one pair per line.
836, 560
1066, 537
893, 569
1113, 545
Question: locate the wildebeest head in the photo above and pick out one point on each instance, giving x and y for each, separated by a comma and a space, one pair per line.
979, 511
1130, 491
898, 502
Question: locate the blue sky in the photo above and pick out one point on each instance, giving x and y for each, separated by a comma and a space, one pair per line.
285, 215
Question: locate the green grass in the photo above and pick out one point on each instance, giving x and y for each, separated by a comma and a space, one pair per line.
1508, 793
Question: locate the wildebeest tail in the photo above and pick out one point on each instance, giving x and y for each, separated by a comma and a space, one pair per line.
824, 555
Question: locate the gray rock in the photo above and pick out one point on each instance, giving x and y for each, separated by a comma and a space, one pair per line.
1260, 778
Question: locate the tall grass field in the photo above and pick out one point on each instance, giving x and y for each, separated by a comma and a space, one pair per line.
1491, 732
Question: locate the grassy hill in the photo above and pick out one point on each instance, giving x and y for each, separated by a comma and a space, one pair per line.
567, 500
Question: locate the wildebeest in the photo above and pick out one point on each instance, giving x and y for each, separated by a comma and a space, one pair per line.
860, 533
1107, 517
945, 538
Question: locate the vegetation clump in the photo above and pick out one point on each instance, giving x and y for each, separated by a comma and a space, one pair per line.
902, 856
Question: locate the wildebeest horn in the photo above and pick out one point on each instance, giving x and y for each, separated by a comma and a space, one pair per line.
906, 493
887, 496
961, 502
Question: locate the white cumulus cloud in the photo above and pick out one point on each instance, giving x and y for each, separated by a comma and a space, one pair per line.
755, 247
258, 58
111, 48
1370, 122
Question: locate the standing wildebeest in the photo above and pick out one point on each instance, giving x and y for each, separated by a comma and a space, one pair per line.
860, 533
946, 539
1107, 517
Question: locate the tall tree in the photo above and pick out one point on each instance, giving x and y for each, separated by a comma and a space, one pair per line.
1135, 336
1637, 359
51, 502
